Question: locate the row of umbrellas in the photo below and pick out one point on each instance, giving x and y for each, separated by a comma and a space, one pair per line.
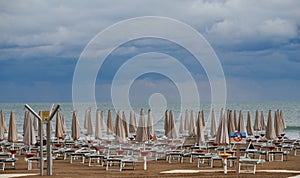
145, 130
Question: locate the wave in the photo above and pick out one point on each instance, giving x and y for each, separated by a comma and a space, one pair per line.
292, 128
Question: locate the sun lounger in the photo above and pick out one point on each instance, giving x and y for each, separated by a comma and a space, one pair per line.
35, 160
4, 161
247, 162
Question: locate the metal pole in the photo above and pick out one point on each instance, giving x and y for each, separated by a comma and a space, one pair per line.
49, 149
41, 148
49, 142
33, 112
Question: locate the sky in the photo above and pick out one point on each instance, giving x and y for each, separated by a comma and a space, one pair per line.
257, 43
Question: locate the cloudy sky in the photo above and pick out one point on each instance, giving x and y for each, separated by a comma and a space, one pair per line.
257, 43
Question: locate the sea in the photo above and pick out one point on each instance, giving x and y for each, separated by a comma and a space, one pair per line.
291, 113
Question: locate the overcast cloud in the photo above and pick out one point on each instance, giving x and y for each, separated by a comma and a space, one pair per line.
257, 42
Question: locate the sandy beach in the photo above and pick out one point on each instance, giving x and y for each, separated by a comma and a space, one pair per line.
63, 168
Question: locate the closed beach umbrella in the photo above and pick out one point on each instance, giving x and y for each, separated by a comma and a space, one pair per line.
12, 129
166, 123
150, 126
257, 122
270, 130
213, 127
3, 127
102, 120
200, 130
132, 122
25, 121
35, 124
141, 133
231, 124
282, 119
3, 122
120, 131
110, 124
125, 125
172, 129
186, 120
203, 119
250, 130
59, 132
222, 137
192, 129
236, 121
63, 124
241, 126
181, 125
278, 124
89, 124
98, 127
75, 129
29, 133
262, 121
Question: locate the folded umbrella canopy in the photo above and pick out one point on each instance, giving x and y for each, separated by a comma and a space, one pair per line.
200, 130
3, 122
132, 123
141, 133
257, 122
213, 126
98, 128
270, 130
250, 130
120, 130
181, 125
241, 126
125, 124
262, 121
150, 127
12, 129
231, 125
186, 121
222, 137
59, 130
29, 137
75, 129
110, 126
192, 128
172, 134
